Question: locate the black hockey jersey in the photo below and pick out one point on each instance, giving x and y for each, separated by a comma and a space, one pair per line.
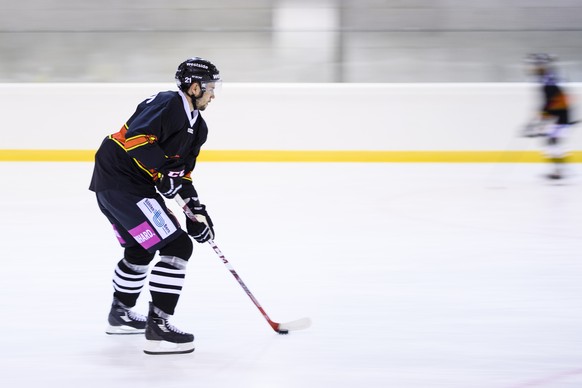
555, 102
162, 129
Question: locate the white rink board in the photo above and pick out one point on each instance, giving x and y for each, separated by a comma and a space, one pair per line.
430, 117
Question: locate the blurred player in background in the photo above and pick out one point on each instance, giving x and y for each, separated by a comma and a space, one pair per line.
154, 153
552, 120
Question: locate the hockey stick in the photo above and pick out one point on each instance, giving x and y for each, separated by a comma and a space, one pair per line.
281, 328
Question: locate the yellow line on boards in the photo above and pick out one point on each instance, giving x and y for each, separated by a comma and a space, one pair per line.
373, 156
47, 155
13, 155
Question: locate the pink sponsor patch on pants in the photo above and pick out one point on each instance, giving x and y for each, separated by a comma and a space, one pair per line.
145, 235
119, 238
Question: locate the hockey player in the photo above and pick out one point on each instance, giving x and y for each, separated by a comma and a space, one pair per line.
154, 153
553, 118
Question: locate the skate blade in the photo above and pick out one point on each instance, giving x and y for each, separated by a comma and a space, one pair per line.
164, 347
113, 330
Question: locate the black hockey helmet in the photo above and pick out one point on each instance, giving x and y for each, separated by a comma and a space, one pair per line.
540, 59
540, 64
198, 70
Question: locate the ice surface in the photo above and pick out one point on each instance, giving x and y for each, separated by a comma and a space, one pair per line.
414, 276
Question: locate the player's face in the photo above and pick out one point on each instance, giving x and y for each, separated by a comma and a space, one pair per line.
202, 102
537, 70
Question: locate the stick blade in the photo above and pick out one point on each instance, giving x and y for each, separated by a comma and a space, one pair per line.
299, 324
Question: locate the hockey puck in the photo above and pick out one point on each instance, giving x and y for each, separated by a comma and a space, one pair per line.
283, 331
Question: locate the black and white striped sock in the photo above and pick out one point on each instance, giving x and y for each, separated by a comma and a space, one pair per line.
128, 281
166, 282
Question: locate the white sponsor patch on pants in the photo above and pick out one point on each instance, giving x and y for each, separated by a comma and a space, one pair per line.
157, 217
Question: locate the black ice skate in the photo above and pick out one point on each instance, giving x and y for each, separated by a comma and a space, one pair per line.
163, 338
124, 321
554, 176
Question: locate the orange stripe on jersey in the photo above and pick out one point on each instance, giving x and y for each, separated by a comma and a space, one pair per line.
131, 142
150, 171
138, 141
119, 137
560, 101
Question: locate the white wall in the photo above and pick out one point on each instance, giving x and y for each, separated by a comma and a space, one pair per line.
287, 116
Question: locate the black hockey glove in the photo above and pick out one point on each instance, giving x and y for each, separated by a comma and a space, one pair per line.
170, 181
201, 230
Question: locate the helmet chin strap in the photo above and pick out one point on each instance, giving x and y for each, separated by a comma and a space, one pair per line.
195, 98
